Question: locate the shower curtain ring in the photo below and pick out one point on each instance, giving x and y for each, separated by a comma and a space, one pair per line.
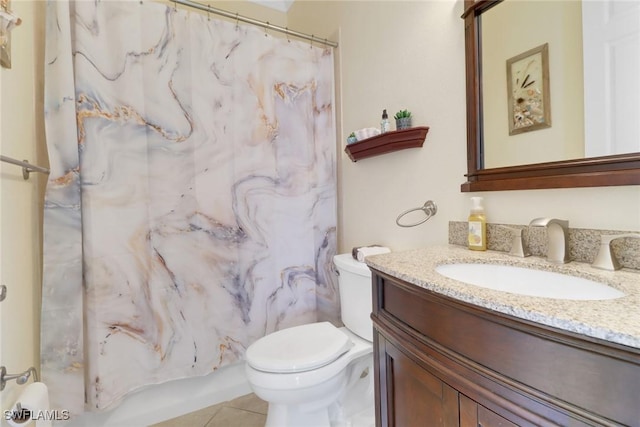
208, 12
175, 6
311, 42
265, 28
237, 21
287, 33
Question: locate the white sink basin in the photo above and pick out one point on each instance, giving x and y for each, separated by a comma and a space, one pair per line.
526, 281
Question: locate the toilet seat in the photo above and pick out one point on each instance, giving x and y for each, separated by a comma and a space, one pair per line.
298, 349
293, 381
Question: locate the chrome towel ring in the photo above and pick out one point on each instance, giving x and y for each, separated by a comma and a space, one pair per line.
429, 208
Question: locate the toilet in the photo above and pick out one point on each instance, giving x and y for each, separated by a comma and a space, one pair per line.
317, 374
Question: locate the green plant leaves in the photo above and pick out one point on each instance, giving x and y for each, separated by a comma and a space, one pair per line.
402, 114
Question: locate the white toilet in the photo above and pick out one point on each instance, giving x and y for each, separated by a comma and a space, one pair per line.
317, 374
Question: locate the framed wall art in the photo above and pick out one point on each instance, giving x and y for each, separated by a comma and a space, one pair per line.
528, 90
7, 22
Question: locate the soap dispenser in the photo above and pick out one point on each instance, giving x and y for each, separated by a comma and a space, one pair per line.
385, 126
477, 226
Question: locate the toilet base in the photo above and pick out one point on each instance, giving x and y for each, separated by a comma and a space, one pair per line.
287, 415
313, 411
321, 418
354, 407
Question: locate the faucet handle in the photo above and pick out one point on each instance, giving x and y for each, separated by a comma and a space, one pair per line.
605, 259
518, 248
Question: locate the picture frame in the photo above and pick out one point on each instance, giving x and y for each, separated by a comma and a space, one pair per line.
528, 94
5, 34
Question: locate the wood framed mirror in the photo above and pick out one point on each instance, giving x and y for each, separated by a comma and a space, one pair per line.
609, 170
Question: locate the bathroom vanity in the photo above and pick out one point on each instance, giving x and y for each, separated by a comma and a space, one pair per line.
452, 354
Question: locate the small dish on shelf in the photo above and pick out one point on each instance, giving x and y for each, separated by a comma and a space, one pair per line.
366, 133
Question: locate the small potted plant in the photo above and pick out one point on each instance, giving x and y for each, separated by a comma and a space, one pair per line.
403, 119
352, 138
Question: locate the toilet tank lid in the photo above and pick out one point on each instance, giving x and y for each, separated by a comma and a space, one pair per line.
346, 262
298, 349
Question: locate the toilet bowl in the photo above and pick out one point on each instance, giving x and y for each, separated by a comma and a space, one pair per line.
317, 374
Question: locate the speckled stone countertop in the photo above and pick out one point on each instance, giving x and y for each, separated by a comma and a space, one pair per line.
616, 320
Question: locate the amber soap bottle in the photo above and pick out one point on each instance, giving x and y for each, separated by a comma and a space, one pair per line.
477, 226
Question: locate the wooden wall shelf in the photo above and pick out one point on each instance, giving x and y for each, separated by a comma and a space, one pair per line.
387, 142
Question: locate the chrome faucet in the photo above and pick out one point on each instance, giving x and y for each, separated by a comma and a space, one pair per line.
557, 240
605, 259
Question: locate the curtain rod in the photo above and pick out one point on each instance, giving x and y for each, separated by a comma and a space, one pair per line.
265, 25
27, 167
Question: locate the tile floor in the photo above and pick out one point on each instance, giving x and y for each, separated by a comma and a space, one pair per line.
245, 411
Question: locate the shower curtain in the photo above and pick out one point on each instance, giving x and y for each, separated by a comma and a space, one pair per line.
191, 206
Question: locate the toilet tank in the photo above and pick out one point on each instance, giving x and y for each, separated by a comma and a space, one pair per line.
354, 281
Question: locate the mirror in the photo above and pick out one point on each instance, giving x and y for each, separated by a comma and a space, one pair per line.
551, 157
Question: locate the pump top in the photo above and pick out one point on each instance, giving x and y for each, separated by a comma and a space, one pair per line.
476, 204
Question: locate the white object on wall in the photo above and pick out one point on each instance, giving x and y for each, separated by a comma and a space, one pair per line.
611, 31
34, 400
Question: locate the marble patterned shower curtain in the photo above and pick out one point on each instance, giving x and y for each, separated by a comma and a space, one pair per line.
191, 206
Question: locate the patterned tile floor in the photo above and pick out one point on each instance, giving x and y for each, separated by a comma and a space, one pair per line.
245, 411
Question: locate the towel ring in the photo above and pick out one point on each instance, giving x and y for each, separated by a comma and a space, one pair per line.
429, 208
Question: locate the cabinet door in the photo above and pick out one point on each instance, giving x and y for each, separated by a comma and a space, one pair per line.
474, 415
415, 397
486, 418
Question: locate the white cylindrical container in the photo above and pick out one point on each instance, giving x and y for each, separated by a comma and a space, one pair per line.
34, 401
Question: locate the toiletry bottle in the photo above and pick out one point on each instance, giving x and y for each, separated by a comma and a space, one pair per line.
385, 126
477, 226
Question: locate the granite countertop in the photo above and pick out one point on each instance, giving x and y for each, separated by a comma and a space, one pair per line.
616, 320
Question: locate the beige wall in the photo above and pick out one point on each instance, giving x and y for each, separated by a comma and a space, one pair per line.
21, 202
397, 54
392, 55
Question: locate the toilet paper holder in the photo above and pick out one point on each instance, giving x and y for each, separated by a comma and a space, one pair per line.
20, 378
20, 414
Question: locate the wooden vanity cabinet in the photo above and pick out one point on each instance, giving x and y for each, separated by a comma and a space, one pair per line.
442, 362
414, 395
